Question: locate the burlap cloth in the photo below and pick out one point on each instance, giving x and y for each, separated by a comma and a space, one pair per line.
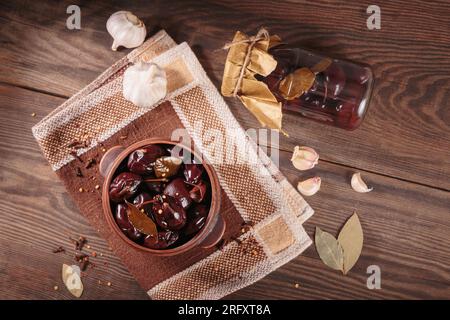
253, 189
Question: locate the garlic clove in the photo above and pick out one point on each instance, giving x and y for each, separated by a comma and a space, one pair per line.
358, 184
144, 84
126, 29
72, 280
76, 269
304, 158
66, 272
310, 186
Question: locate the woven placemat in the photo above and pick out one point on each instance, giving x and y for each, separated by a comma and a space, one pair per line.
253, 189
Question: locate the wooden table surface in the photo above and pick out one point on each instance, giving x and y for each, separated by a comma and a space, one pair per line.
402, 147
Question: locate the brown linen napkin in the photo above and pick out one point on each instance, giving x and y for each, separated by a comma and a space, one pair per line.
252, 187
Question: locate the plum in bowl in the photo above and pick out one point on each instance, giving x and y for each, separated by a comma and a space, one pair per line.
161, 197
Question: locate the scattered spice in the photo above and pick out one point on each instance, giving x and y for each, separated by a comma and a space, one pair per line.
246, 226
81, 189
97, 186
89, 163
59, 249
103, 149
79, 243
83, 260
297, 285
78, 172
33, 114
79, 256
94, 254
78, 143
123, 137
55, 288
109, 284
99, 282
74, 154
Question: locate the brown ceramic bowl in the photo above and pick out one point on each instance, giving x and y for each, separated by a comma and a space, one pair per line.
208, 236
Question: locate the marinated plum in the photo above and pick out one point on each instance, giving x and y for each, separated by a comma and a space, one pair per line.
196, 219
339, 94
192, 172
144, 201
124, 224
169, 214
170, 192
165, 239
124, 186
142, 161
178, 190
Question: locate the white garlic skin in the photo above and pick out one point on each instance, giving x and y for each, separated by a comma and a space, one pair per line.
144, 84
126, 29
358, 183
310, 186
304, 158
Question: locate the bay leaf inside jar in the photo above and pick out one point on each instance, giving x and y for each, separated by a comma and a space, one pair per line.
296, 83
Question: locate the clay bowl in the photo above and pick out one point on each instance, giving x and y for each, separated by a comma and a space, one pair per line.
207, 237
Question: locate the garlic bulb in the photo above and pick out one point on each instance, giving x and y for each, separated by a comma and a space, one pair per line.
304, 158
358, 184
310, 186
144, 84
126, 29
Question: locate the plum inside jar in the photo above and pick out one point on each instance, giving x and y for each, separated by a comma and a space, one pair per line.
172, 195
338, 96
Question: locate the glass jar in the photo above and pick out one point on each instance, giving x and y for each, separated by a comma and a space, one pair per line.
339, 95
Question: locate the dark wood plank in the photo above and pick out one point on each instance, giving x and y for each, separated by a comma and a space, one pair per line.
406, 232
406, 228
406, 133
37, 216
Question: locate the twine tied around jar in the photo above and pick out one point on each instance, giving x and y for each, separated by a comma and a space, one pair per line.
262, 34
247, 57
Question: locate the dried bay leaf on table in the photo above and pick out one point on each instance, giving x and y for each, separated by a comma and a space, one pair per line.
329, 250
351, 240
